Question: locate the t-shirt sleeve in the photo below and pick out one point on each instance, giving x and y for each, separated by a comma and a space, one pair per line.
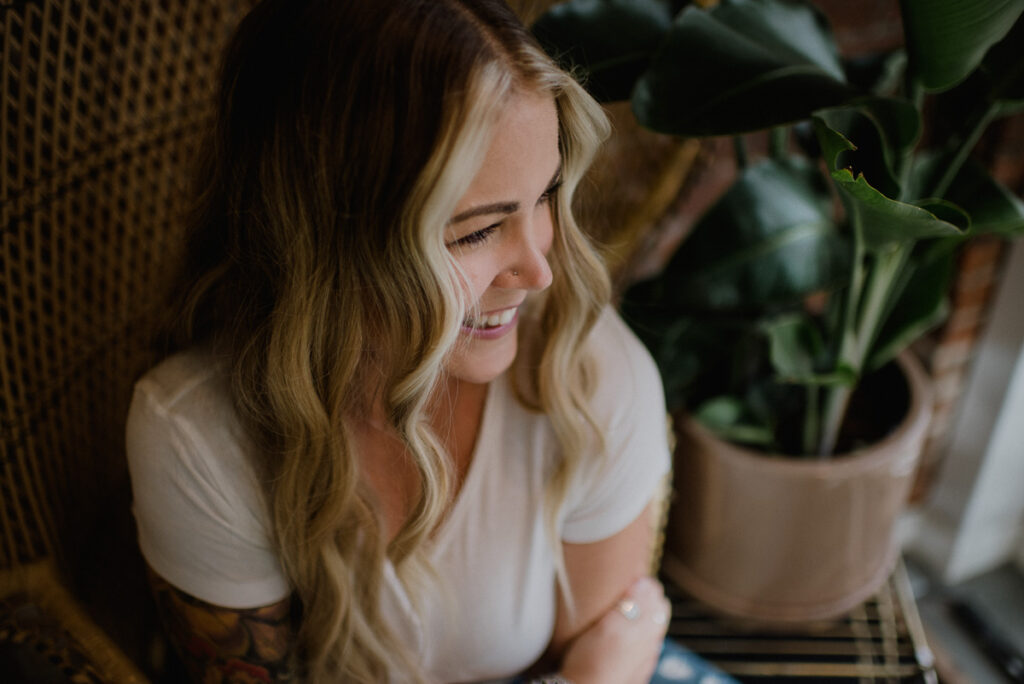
199, 513
613, 490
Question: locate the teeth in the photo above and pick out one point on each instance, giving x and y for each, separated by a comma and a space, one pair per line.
493, 320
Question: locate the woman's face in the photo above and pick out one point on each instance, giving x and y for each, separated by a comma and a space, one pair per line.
501, 232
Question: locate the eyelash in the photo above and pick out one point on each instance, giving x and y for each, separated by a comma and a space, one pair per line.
551, 192
477, 237
480, 236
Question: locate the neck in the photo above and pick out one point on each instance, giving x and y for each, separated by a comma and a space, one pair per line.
454, 412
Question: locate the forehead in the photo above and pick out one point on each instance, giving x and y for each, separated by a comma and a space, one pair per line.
523, 151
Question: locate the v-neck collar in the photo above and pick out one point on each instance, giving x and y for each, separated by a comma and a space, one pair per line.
441, 538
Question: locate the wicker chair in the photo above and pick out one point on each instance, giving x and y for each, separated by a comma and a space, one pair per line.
101, 104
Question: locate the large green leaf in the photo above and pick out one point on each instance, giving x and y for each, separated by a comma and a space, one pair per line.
797, 352
883, 221
947, 39
769, 241
741, 66
991, 206
995, 88
1004, 69
793, 29
876, 134
611, 41
879, 220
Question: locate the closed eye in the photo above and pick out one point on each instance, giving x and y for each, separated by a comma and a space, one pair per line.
476, 237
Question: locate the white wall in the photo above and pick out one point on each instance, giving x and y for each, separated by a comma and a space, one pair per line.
1020, 554
974, 519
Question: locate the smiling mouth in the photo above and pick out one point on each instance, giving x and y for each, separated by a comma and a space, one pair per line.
494, 320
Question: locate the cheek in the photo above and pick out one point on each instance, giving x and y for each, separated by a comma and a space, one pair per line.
479, 277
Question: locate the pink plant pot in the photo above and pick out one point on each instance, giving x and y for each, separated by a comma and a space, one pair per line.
777, 539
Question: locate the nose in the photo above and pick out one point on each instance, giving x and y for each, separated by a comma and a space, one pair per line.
528, 267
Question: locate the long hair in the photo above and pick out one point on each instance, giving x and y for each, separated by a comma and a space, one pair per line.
345, 134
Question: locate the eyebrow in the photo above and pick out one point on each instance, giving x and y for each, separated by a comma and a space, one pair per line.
493, 208
500, 207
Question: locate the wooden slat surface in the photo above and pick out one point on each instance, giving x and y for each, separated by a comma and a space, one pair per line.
879, 641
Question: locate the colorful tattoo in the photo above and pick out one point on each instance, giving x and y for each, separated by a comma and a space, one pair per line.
226, 646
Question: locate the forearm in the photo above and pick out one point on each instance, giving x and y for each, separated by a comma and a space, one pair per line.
226, 645
622, 647
599, 574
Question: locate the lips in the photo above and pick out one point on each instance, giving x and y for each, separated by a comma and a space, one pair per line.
493, 320
492, 325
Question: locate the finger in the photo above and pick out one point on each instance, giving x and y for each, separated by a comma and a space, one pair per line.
663, 614
630, 609
638, 599
652, 662
645, 586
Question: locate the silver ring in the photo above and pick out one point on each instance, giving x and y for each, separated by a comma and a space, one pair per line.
629, 609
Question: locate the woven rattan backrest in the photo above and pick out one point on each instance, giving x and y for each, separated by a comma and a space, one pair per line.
102, 103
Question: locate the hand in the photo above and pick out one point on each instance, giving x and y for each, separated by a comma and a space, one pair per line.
623, 646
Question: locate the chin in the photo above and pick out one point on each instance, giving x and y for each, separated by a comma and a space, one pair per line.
481, 362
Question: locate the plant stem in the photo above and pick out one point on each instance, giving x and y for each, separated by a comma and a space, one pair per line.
838, 396
885, 274
915, 92
835, 409
981, 123
861, 331
811, 422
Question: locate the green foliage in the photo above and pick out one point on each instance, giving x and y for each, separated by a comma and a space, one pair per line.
590, 33
741, 66
947, 39
866, 226
765, 244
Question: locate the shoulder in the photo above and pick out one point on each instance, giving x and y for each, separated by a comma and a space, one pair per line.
184, 384
182, 424
198, 502
183, 403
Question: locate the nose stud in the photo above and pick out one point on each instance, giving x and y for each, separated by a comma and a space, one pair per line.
515, 273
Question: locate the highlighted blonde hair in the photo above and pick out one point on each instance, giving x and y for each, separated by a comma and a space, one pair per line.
346, 133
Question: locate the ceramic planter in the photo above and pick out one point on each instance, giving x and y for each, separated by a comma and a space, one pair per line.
778, 539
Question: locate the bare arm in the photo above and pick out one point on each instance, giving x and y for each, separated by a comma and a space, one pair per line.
598, 644
600, 573
224, 644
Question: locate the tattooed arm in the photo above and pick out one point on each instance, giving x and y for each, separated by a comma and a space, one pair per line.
225, 645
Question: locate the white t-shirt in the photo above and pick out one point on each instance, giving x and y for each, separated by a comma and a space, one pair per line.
204, 527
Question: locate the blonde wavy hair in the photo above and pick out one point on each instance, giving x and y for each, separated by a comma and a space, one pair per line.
345, 134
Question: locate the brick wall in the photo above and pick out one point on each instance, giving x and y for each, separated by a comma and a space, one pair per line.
951, 348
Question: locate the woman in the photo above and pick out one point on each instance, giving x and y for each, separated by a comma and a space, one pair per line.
405, 438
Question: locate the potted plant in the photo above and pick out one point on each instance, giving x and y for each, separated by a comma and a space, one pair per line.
780, 325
